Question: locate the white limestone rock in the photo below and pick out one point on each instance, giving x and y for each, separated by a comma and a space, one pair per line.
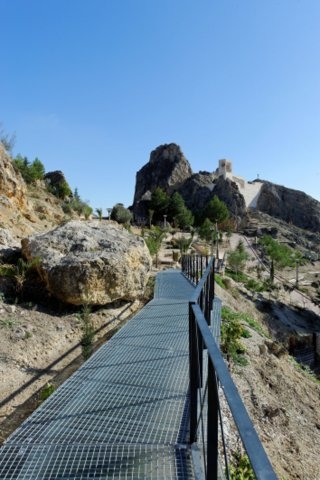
93, 262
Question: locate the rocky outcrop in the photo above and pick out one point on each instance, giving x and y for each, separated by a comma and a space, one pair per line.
24, 209
92, 262
167, 168
229, 193
292, 206
12, 185
197, 190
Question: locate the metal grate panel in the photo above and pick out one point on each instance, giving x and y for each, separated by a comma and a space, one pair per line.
79, 462
123, 414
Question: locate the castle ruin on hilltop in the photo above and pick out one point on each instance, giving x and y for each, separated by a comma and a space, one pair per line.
249, 190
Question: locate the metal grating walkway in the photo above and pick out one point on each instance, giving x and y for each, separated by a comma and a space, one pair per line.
123, 414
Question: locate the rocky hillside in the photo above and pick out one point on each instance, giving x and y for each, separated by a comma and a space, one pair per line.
281, 397
24, 210
292, 206
170, 170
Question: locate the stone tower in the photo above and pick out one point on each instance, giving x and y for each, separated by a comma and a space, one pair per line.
225, 168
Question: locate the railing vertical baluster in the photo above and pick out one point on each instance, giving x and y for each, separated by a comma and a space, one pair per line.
206, 305
210, 294
197, 269
212, 280
212, 424
193, 372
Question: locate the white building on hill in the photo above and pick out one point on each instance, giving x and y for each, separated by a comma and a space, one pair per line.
249, 190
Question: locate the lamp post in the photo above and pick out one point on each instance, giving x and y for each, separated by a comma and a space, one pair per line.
164, 221
217, 242
212, 237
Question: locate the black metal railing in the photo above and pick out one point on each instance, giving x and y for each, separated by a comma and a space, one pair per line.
193, 267
211, 380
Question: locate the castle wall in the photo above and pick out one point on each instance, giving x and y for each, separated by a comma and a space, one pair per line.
250, 191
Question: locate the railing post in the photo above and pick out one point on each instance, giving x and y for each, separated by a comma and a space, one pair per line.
206, 307
212, 425
212, 277
193, 374
197, 271
210, 293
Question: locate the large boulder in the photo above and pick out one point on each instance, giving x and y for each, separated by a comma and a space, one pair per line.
92, 262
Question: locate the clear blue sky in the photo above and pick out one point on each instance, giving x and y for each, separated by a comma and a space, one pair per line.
91, 87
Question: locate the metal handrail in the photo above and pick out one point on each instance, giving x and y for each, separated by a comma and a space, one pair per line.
218, 376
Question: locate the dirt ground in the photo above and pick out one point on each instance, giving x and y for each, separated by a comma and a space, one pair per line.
39, 347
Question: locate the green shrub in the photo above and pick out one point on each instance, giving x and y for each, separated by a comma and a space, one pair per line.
237, 276
87, 210
254, 286
87, 339
219, 281
240, 468
253, 324
19, 272
121, 214
46, 391
231, 332
30, 171
305, 369
153, 241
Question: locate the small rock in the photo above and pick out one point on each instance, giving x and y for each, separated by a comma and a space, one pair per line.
263, 349
10, 308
